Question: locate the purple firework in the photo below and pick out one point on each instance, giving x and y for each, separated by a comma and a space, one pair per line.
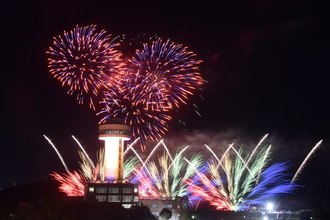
169, 72
128, 102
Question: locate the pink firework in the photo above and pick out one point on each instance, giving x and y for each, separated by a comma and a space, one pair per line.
86, 61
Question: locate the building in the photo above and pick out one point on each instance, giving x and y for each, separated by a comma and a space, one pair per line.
178, 206
126, 194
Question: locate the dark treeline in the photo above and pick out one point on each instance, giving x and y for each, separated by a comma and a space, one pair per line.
72, 210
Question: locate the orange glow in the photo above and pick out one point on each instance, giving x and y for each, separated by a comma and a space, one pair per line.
112, 161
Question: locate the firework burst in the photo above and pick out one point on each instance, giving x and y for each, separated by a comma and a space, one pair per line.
128, 104
161, 78
86, 61
169, 70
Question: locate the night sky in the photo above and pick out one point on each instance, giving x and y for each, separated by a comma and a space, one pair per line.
266, 63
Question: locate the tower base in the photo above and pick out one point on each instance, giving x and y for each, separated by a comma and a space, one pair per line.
126, 194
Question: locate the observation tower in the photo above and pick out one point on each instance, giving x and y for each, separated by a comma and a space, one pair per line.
114, 135
114, 188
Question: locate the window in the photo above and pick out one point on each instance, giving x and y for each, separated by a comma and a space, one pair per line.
167, 205
113, 190
114, 198
153, 205
101, 189
127, 190
136, 198
101, 198
127, 199
91, 189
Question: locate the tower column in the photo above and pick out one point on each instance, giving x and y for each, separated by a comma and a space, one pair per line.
114, 136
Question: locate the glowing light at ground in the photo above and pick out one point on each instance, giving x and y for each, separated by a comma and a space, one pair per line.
270, 206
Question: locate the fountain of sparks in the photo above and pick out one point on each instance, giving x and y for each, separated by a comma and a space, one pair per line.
232, 181
238, 182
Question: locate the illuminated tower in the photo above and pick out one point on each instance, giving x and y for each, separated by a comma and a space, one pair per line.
114, 189
114, 135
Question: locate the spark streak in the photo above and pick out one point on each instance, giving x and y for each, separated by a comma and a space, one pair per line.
58, 153
305, 161
81, 147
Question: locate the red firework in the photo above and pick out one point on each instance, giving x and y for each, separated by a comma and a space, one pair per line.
72, 183
86, 61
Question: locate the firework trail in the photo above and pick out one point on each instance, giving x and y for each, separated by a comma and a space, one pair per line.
202, 188
169, 71
83, 150
86, 61
263, 162
88, 170
130, 146
235, 183
143, 162
255, 149
274, 181
295, 177
166, 177
58, 153
72, 183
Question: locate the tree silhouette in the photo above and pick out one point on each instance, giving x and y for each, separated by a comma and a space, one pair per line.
77, 210
165, 214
